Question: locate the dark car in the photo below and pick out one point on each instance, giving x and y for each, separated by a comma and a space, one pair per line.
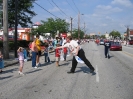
130, 42
115, 46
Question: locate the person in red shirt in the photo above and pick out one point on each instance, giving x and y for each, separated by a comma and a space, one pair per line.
57, 55
65, 53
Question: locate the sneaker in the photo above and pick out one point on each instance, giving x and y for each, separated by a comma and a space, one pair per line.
38, 64
50, 62
35, 67
20, 73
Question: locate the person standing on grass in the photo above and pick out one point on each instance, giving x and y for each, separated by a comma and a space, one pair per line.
77, 51
38, 45
21, 60
34, 53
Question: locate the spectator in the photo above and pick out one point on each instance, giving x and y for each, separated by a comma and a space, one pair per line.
21, 60
57, 54
38, 45
1, 62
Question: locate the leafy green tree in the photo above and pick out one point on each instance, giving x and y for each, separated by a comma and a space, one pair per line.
75, 34
52, 25
115, 34
25, 14
102, 36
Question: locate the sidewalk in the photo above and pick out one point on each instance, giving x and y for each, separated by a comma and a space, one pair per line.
12, 60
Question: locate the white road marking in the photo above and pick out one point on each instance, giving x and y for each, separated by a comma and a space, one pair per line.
97, 74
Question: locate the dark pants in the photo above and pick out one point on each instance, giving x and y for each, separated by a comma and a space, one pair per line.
107, 52
81, 55
46, 57
65, 55
33, 59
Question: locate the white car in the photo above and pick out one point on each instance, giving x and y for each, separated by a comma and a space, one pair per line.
101, 42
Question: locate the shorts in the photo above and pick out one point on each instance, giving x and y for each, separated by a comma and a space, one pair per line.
39, 53
21, 63
57, 59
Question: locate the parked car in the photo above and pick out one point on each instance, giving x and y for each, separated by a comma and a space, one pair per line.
101, 42
130, 42
115, 46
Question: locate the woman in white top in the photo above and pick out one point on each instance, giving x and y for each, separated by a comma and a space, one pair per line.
77, 51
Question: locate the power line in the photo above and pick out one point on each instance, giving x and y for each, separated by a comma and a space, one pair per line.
75, 6
53, 5
59, 8
70, 5
45, 10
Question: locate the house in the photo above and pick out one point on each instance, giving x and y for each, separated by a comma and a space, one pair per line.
131, 34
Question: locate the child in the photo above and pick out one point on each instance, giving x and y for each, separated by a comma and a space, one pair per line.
21, 60
57, 55
46, 53
1, 62
65, 53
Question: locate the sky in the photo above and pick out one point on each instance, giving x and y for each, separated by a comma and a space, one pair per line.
92, 16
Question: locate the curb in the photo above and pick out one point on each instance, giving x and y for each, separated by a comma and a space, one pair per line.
16, 62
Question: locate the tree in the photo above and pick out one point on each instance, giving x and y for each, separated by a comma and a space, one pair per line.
25, 14
75, 34
115, 34
52, 25
102, 36
1, 17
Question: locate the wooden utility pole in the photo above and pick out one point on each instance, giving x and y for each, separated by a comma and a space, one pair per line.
127, 37
79, 25
71, 25
5, 30
16, 25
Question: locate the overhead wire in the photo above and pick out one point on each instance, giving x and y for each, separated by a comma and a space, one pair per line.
70, 5
75, 5
46, 10
59, 8
53, 5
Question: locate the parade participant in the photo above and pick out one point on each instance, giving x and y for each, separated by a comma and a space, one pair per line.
21, 60
57, 54
77, 51
34, 53
38, 45
1, 62
107, 45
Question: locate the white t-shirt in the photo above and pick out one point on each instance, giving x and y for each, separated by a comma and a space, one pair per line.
72, 46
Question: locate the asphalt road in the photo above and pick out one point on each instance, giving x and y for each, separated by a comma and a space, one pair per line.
113, 79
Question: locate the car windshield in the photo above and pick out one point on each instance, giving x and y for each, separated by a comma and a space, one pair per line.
115, 43
101, 40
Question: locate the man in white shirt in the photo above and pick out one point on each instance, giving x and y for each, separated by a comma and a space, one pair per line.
77, 51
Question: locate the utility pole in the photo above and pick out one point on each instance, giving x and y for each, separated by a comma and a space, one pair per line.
71, 25
79, 25
5, 30
16, 24
127, 37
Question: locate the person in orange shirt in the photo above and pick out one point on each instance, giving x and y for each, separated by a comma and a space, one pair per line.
34, 53
38, 45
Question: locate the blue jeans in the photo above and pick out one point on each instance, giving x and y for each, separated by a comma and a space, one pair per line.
33, 59
46, 57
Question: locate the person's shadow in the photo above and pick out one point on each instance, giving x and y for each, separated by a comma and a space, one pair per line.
85, 69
